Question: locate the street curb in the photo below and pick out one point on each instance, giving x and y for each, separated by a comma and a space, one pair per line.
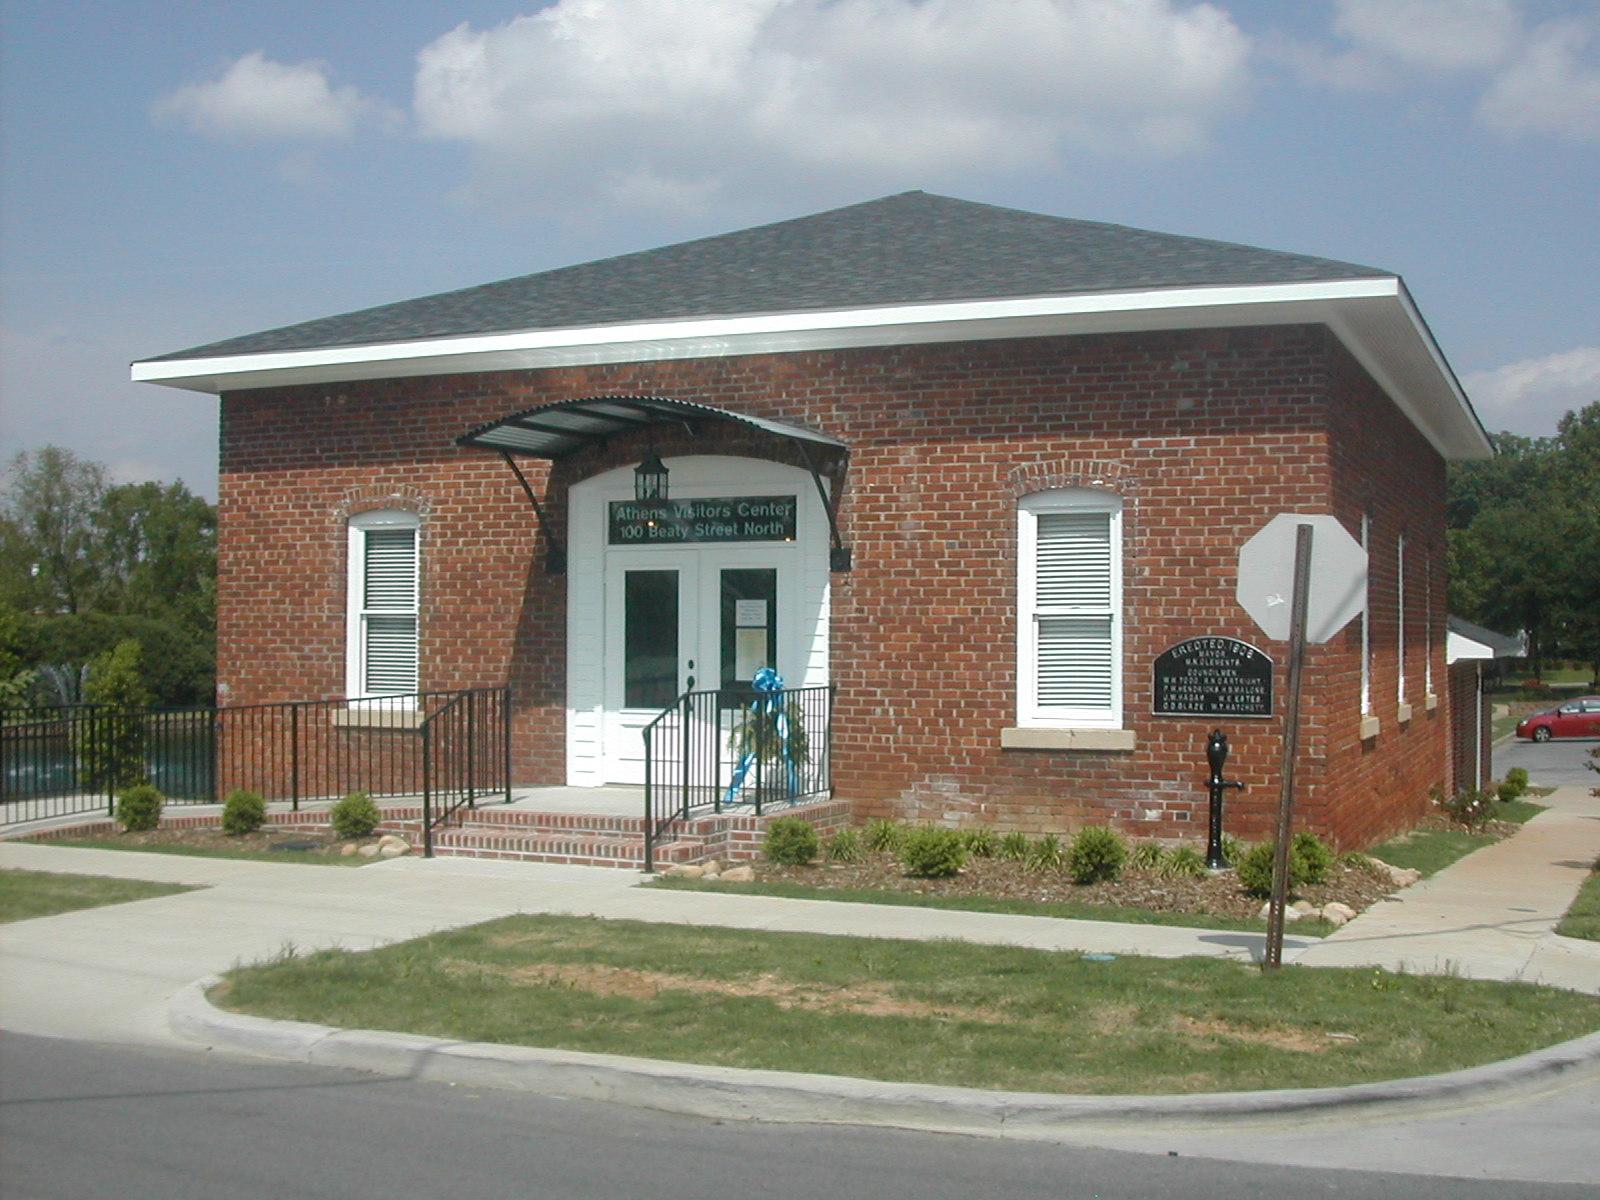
730, 1093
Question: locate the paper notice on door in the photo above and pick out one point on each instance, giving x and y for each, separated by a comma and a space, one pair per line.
750, 652
750, 613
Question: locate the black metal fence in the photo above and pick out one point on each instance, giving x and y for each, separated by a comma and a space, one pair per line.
716, 750
61, 761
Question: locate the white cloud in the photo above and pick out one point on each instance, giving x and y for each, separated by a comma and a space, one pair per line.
656, 104
1544, 79
257, 99
1549, 88
1530, 396
1435, 35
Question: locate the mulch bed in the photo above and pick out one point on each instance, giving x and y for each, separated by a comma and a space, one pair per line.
308, 841
1219, 894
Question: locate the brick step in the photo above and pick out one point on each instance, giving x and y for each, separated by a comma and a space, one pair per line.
562, 846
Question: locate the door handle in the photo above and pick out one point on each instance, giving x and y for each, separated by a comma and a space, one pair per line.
690, 686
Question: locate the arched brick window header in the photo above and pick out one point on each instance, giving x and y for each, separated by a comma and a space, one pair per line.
369, 498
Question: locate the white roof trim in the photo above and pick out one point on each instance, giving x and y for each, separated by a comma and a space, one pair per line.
1352, 308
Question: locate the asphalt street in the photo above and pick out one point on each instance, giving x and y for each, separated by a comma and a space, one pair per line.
84, 1120
1552, 764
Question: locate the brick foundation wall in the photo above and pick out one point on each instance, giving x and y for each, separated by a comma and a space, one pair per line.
1204, 435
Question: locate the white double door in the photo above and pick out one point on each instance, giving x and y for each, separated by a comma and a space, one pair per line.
687, 620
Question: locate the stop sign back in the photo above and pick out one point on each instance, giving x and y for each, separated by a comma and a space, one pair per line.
1338, 576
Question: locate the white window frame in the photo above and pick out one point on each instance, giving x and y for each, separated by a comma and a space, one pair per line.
356, 610
1029, 508
1400, 616
1427, 616
1366, 624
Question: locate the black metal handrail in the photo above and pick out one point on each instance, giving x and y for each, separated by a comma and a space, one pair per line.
66, 760
717, 749
464, 744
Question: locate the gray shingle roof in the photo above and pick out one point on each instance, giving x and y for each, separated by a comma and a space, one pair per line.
906, 249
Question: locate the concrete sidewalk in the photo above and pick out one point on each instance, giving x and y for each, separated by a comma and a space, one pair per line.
1493, 914
108, 973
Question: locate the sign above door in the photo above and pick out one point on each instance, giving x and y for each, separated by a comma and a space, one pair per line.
715, 519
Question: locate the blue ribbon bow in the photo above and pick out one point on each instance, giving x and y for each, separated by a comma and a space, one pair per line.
769, 687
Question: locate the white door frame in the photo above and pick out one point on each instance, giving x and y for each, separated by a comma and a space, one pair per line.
594, 572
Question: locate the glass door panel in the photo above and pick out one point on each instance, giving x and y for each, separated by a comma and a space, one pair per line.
650, 639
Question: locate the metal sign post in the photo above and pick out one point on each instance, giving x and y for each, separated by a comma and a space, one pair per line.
1273, 957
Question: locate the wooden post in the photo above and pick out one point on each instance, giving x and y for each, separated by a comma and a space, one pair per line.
1273, 957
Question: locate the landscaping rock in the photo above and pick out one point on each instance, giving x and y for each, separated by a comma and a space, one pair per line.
1304, 907
348, 849
390, 839
394, 849
684, 871
710, 867
1292, 912
1336, 913
739, 875
1402, 876
370, 850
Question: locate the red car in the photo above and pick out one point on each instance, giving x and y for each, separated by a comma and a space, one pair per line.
1575, 718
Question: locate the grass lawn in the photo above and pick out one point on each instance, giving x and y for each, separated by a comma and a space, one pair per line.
25, 894
317, 858
1431, 850
938, 1012
1583, 918
1307, 927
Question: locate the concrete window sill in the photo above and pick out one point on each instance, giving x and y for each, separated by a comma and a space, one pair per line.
1370, 727
1034, 737
1431, 702
1404, 714
377, 718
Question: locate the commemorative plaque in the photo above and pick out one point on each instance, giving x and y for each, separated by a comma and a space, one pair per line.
1213, 677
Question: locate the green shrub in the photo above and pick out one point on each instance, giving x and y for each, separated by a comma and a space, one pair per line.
1045, 854
243, 812
1184, 863
1096, 855
1255, 868
139, 808
792, 841
1013, 847
883, 835
1356, 861
982, 843
1517, 777
1316, 860
1147, 856
933, 853
355, 816
1232, 848
845, 847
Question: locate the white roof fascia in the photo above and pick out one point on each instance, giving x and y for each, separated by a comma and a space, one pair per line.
1458, 647
1333, 303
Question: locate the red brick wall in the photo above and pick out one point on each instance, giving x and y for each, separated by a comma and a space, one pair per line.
1384, 467
1469, 736
1205, 436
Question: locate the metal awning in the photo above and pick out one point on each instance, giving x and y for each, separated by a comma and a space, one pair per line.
567, 426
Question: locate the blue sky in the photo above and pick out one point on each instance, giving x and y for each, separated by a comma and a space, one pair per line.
175, 173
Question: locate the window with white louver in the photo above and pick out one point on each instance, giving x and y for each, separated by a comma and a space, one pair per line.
1069, 591
382, 633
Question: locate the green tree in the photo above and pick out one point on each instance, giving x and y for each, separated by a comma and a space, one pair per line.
1524, 541
88, 565
111, 742
47, 530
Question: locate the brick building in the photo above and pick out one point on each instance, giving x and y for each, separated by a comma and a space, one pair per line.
977, 469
